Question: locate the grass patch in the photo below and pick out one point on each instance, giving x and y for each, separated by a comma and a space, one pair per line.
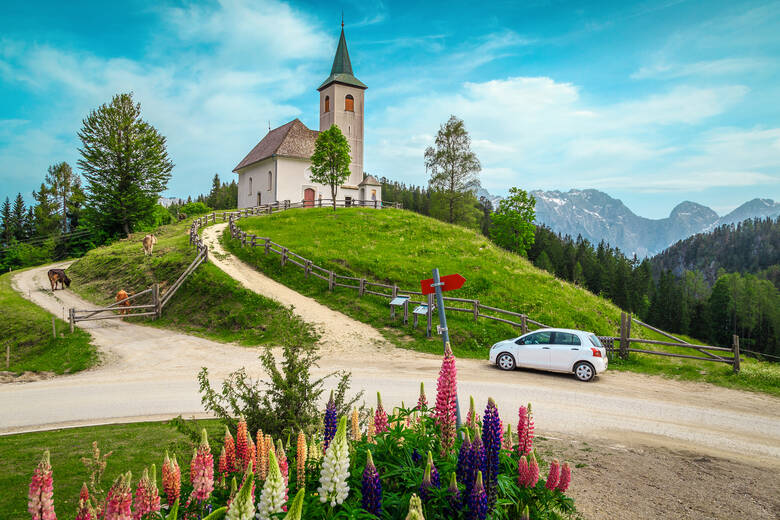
134, 447
26, 328
402, 247
209, 304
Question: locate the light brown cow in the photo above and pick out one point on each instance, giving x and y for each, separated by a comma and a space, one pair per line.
122, 295
148, 242
56, 277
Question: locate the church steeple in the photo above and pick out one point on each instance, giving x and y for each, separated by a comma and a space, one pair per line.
341, 72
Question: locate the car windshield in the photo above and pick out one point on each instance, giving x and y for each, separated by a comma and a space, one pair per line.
595, 340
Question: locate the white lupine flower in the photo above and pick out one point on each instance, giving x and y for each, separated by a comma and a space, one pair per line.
242, 507
272, 498
335, 468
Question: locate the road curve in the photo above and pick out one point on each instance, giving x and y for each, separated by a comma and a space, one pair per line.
149, 373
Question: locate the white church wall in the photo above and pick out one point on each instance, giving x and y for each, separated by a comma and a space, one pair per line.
258, 173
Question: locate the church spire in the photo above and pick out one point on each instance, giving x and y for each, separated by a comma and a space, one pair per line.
341, 71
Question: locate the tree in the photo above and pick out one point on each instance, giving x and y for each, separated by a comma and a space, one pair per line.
61, 184
125, 163
19, 218
7, 221
46, 222
330, 160
454, 167
513, 222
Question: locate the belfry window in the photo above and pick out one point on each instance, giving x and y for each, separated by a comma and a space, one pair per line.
327, 103
349, 103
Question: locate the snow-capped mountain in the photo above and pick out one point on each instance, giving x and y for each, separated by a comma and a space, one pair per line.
597, 216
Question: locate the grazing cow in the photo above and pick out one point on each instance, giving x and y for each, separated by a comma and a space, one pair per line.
122, 295
149, 241
58, 276
182, 216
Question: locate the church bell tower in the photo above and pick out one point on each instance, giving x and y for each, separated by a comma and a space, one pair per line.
341, 103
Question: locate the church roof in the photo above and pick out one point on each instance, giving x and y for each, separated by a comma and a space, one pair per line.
370, 180
290, 140
341, 72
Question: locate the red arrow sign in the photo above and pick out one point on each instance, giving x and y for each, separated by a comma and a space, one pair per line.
451, 282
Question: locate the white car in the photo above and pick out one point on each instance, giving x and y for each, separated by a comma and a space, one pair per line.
556, 350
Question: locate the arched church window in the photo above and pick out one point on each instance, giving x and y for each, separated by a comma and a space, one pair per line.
250, 185
349, 103
327, 103
270, 180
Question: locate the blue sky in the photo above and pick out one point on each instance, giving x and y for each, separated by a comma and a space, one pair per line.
652, 102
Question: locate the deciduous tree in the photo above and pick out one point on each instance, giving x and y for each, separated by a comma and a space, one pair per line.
330, 160
513, 222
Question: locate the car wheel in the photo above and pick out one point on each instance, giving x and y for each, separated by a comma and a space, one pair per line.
505, 361
584, 371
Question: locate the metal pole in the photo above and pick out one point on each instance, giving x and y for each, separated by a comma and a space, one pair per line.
445, 335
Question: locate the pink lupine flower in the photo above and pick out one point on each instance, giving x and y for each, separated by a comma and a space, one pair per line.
552, 476
523, 472
533, 471
422, 401
41, 496
85, 510
565, 478
230, 452
252, 453
202, 470
380, 416
147, 499
446, 395
171, 479
120, 499
525, 430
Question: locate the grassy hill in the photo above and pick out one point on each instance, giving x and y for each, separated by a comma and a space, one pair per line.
402, 247
26, 328
209, 304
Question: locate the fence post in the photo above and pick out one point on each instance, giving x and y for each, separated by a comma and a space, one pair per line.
284, 256
7, 355
53, 328
156, 299
735, 347
70, 314
267, 245
476, 310
307, 268
395, 290
362, 286
406, 312
524, 323
330, 280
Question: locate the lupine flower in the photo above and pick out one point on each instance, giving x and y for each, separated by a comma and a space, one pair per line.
422, 401
478, 507
472, 418
271, 449
147, 500
525, 430
335, 468
371, 487
314, 453
463, 459
284, 467
553, 475
202, 470
370, 428
380, 416
230, 452
476, 463
242, 445
426, 485
171, 479
242, 507
355, 425
119, 499
507, 441
233, 492
222, 466
526, 514
85, 510
330, 423
416, 456
453, 496
533, 471
435, 480
252, 453
300, 460
262, 456
296, 507
446, 395
415, 508
565, 478
522, 471
41, 496
491, 438
272, 498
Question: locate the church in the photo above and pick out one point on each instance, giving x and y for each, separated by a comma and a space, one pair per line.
278, 168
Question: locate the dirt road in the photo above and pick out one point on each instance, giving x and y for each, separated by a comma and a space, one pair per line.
150, 373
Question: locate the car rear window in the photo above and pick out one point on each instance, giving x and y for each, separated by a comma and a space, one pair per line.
566, 338
595, 340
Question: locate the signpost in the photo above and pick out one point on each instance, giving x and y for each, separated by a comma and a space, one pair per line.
439, 285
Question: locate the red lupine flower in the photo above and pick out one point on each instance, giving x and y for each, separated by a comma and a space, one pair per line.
230, 452
380, 416
41, 496
446, 395
525, 430
565, 478
552, 476
523, 475
242, 445
533, 471
85, 510
171, 479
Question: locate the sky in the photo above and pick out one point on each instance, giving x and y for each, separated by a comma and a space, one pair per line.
652, 102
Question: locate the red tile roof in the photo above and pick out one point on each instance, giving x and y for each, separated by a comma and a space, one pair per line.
290, 140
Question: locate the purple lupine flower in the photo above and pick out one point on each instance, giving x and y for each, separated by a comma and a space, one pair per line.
330, 423
372, 488
453, 496
476, 462
416, 456
435, 480
491, 438
463, 456
478, 507
426, 485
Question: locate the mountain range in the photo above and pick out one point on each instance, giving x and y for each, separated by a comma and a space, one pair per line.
597, 216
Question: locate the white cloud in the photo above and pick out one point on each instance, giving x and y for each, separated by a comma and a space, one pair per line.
719, 67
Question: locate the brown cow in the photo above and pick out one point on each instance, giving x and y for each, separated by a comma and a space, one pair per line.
148, 242
58, 276
182, 216
120, 296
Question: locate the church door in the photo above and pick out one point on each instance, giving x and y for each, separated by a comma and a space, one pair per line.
308, 198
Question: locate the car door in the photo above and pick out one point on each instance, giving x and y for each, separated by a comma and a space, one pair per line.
533, 350
565, 350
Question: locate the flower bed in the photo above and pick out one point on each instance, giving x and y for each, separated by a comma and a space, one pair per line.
411, 463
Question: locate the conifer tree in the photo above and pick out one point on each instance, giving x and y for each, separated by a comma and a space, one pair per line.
7, 225
45, 220
62, 183
19, 218
125, 163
